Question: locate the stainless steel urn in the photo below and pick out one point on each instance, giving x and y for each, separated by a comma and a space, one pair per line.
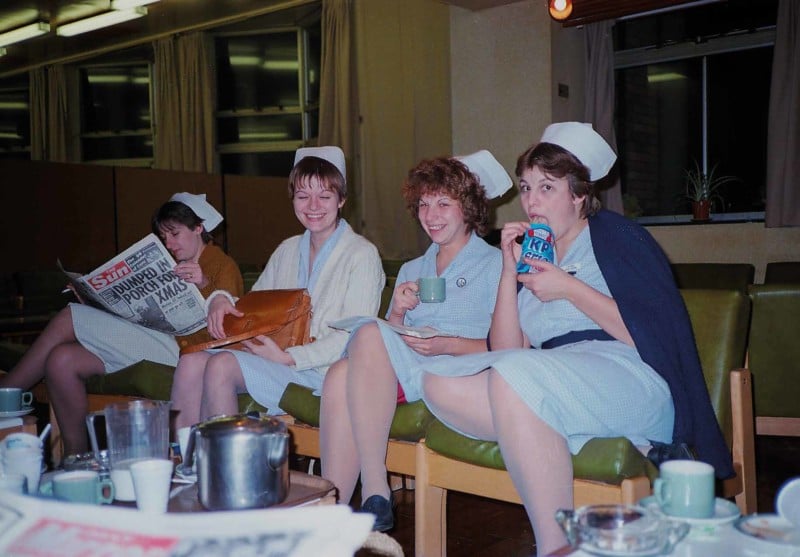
242, 461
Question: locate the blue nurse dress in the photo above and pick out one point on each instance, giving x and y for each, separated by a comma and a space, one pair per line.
471, 282
590, 388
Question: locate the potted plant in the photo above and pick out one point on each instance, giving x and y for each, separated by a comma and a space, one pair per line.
703, 190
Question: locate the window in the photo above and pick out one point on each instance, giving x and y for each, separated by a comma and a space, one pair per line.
116, 125
693, 85
15, 118
267, 98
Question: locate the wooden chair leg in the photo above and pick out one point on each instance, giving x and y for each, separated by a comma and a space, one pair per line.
743, 450
634, 489
396, 482
430, 511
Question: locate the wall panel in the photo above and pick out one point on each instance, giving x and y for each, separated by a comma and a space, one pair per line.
55, 210
260, 216
141, 191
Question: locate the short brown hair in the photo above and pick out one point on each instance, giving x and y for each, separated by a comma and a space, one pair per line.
454, 179
328, 175
558, 162
175, 212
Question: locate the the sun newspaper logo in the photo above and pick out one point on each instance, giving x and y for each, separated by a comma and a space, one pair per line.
110, 275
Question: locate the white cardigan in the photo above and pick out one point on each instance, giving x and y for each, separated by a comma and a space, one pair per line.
350, 284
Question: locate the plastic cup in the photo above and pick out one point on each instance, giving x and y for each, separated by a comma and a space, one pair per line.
151, 481
24, 461
13, 482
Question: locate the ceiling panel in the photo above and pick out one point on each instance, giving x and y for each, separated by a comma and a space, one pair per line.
163, 18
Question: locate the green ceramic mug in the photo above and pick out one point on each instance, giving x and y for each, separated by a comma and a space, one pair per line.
13, 399
685, 488
81, 486
431, 289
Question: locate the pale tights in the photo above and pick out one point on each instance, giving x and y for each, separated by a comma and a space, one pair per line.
359, 398
536, 456
206, 385
58, 357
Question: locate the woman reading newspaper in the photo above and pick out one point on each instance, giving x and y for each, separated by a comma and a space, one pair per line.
450, 200
81, 341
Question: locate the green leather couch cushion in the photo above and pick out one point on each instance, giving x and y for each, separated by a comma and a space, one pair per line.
144, 379
606, 460
409, 424
716, 276
147, 379
775, 350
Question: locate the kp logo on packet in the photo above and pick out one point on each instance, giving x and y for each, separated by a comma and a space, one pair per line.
536, 244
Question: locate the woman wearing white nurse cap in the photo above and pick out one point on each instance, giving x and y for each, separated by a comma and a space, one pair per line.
202, 208
491, 174
330, 153
586, 144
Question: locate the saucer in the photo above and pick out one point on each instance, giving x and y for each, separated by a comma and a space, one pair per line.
769, 527
725, 512
186, 475
16, 413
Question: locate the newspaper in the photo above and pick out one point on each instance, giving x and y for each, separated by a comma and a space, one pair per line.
139, 285
350, 323
41, 527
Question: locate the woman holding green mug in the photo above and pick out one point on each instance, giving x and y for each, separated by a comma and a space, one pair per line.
450, 200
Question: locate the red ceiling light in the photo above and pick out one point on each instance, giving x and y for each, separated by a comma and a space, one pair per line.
560, 9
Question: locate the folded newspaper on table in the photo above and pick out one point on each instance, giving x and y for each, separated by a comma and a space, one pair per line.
350, 323
48, 528
139, 285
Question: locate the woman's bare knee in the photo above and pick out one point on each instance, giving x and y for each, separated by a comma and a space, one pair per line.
366, 336
222, 372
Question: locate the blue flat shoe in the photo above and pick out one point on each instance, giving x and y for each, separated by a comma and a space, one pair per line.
383, 509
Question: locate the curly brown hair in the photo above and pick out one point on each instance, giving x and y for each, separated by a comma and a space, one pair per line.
556, 161
444, 175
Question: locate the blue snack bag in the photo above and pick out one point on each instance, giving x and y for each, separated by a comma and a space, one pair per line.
536, 244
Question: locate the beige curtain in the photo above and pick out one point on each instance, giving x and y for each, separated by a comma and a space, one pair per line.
63, 122
599, 104
338, 101
37, 80
184, 104
783, 137
404, 109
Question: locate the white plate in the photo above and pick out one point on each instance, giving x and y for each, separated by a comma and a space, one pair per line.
16, 413
725, 512
769, 527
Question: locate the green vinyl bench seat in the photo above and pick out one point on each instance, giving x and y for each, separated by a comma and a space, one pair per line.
410, 420
607, 460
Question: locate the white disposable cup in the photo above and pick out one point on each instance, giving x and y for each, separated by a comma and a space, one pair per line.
788, 501
24, 461
21, 441
151, 481
183, 440
13, 482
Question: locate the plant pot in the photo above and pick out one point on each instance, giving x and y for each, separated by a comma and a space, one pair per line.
701, 210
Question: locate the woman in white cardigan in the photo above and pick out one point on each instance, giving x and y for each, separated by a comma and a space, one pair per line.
342, 272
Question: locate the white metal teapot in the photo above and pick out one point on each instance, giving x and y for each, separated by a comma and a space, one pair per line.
242, 461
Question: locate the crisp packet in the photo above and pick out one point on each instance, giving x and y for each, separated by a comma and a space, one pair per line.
538, 244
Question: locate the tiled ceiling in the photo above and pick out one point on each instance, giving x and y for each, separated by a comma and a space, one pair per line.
163, 18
